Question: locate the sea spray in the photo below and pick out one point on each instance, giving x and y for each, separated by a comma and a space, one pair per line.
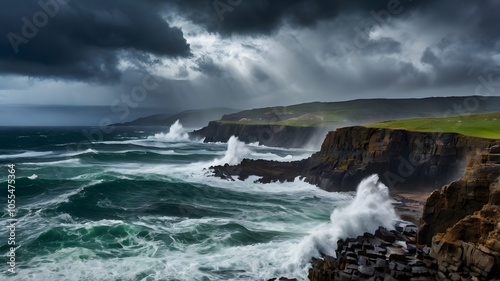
372, 207
176, 133
236, 151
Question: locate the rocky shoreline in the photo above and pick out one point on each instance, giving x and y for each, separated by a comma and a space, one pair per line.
468, 250
458, 235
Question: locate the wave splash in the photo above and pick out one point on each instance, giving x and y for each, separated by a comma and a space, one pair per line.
176, 133
236, 152
372, 207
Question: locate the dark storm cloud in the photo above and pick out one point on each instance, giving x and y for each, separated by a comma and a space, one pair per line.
258, 52
265, 16
83, 40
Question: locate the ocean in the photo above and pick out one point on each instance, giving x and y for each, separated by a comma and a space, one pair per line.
141, 204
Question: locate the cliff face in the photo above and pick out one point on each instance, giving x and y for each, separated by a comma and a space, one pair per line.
269, 135
462, 222
462, 197
404, 160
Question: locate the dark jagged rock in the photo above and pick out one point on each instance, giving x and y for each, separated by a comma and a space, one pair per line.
268, 171
379, 259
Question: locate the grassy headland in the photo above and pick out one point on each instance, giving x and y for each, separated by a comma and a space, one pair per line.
477, 125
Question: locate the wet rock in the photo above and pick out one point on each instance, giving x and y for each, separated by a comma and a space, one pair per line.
385, 235
365, 270
419, 270
386, 257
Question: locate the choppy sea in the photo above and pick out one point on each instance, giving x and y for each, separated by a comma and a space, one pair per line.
141, 204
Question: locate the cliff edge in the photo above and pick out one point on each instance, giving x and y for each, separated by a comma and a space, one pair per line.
404, 160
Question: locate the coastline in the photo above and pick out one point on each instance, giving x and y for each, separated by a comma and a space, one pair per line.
454, 178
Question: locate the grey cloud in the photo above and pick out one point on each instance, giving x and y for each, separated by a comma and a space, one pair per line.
309, 49
265, 16
206, 65
429, 57
83, 40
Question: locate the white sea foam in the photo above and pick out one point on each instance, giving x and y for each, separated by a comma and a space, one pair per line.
371, 208
176, 133
27, 154
67, 161
33, 177
87, 151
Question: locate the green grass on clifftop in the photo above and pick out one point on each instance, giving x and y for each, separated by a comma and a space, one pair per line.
478, 125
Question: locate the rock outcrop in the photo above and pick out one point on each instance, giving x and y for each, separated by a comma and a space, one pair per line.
404, 160
462, 222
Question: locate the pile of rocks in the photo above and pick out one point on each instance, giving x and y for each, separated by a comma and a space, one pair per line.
385, 255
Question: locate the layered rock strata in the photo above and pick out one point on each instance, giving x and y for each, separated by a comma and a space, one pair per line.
462, 222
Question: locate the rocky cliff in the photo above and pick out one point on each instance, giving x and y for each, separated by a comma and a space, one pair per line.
269, 135
404, 160
462, 221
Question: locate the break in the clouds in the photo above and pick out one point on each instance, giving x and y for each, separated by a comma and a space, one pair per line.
242, 53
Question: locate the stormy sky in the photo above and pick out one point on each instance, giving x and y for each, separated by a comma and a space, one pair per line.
172, 55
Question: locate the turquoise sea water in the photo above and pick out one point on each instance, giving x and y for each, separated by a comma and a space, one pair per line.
139, 204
